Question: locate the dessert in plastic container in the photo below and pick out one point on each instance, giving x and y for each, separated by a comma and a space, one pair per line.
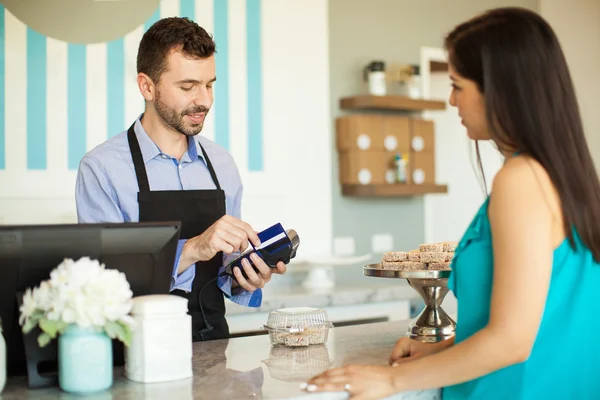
298, 326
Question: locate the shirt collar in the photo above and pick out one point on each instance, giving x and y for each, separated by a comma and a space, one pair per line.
150, 149
194, 149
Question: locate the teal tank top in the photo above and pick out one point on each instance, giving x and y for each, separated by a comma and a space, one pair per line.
565, 359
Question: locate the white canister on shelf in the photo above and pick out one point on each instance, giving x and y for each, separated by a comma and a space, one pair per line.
409, 84
414, 83
375, 76
161, 340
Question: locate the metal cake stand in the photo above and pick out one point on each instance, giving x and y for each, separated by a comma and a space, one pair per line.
432, 324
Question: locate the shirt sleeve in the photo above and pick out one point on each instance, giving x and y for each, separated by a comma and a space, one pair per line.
237, 295
95, 198
97, 202
184, 280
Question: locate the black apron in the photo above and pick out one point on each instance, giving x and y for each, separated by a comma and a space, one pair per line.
197, 210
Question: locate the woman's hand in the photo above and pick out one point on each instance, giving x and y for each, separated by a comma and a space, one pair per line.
407, 349
362, 382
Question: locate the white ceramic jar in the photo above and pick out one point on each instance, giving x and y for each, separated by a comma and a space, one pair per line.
375, 75
161, 341
377, 85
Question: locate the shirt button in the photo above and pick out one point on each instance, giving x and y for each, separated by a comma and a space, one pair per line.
163, 156
180, 166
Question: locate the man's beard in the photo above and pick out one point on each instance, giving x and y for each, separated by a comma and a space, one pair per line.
175, 119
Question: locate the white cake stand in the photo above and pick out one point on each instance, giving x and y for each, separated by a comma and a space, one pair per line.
432, 324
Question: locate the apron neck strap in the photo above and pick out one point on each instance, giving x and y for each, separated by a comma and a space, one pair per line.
213, 175
138, 160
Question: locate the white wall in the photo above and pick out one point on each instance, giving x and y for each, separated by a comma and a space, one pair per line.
577, 25
447, 216
295, 186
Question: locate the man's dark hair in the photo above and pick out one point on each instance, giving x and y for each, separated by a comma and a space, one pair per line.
167, 34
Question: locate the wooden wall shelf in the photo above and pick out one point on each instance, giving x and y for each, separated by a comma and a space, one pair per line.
398, 103
395, 190
437, 66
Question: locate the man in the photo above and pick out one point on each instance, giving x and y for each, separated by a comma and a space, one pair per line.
160, 170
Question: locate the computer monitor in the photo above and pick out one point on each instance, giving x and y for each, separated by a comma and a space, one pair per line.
144, 252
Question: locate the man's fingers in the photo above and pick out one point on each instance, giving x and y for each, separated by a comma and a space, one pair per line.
246, 228
231, 234
253, 277
263, 268
219, 244
242, 282
235, 238
281, 268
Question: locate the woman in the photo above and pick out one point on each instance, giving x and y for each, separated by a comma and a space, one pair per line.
526, 271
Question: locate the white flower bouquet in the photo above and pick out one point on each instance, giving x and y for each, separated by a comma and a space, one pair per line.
83, 293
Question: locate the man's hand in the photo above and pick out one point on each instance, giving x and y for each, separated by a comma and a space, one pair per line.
256, 280
228, 235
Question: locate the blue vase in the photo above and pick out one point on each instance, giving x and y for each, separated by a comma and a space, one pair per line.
85, 361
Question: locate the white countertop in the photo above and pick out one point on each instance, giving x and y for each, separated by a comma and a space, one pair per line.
250, 368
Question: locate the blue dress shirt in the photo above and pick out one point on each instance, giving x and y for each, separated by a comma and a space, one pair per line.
107, 188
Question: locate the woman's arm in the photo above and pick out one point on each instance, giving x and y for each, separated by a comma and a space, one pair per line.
522, 225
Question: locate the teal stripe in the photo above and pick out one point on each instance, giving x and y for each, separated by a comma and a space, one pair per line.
36, 100
155, 17
187, 8
115, 90
76, 104
222, 60
255, 95
2, 91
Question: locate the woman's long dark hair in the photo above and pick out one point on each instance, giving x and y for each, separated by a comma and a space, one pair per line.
516, 60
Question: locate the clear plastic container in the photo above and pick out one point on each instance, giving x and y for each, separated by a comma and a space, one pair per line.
298, 326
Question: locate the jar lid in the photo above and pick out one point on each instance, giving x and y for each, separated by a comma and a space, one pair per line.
159, 304
297, 319
376, 65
